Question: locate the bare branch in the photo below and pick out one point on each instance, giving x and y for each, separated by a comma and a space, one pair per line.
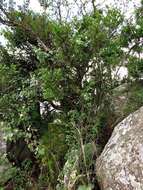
93, 5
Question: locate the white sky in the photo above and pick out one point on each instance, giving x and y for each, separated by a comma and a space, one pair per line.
126, 5
34, 5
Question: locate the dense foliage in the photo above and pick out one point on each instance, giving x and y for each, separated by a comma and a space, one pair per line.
56, 82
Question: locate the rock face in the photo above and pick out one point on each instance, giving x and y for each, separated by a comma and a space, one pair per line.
120, 166
2, 143
5, 166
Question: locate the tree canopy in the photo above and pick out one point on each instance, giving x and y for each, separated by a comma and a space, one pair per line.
57, 83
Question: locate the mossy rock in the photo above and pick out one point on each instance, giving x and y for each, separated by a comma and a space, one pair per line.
71, 175
127, 98
6, 170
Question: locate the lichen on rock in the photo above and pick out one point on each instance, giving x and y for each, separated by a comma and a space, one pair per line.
120, 166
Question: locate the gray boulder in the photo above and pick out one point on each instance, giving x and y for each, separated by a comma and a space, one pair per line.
120, 165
